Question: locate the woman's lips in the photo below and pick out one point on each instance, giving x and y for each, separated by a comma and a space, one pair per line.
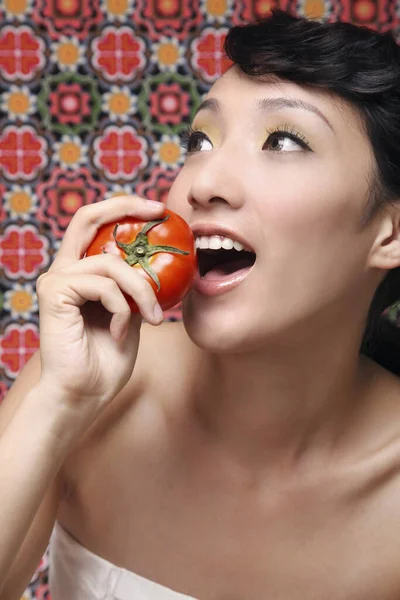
216, 283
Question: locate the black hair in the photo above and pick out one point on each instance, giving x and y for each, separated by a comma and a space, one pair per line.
361, 66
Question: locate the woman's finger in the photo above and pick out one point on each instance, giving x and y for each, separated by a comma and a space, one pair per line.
109, 266
83, 288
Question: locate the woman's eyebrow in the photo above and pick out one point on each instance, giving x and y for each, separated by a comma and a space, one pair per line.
270, 104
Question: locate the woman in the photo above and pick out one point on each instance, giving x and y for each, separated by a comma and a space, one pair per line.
251, 451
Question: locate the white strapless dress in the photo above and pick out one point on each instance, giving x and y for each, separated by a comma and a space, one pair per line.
76, 573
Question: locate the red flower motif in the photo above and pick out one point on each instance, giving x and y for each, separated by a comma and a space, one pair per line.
69, 103
23, 251
62, 195
208, 54
120, 152
168, 17
169, 104
251, 10
22, 152
157, 186
22, 53
67, 17
364, 12
118, 54
17, 345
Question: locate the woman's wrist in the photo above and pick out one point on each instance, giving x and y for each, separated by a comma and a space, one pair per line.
47, 411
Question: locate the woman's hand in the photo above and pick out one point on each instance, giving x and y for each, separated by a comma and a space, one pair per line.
88, 336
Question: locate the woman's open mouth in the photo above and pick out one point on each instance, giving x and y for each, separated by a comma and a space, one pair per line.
221, 270
217, 264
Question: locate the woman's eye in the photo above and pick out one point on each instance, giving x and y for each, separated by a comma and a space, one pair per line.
277, 141
283, 141
196, 141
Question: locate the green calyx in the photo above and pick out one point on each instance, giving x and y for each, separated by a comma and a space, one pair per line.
140, 250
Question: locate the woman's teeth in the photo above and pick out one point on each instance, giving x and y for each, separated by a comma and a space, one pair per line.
217, 242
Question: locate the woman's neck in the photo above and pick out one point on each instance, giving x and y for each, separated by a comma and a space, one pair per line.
281, 406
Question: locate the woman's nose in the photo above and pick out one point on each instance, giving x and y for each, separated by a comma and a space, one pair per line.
216, 181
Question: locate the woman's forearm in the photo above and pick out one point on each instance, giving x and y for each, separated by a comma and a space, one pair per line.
33, 447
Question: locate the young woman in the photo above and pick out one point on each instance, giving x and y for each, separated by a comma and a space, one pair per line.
252, 451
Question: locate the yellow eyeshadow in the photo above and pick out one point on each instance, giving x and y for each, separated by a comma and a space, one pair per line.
209, 131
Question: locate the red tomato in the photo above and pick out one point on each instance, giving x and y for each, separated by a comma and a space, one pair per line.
163, 251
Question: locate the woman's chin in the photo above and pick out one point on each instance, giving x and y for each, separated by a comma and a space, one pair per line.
219, 329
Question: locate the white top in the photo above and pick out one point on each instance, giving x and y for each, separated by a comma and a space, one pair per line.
76, 573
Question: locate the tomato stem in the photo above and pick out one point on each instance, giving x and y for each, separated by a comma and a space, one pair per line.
140, 250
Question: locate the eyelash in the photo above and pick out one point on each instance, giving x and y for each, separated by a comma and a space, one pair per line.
292, 133
288, 131
186, 136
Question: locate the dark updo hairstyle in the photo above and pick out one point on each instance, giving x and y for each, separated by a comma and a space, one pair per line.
363, 67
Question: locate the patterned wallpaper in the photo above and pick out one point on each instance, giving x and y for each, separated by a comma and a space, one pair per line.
94, 95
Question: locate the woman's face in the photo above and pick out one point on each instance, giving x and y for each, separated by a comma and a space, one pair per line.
287, 168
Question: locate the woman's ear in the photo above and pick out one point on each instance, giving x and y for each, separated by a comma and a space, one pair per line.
385, 252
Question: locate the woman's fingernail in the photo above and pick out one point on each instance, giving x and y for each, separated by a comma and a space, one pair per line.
154, 203
158, 313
